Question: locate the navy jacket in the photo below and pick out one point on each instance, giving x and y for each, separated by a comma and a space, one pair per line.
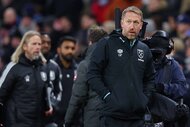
171, 76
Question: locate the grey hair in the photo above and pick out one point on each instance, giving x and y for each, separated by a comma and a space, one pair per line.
16, 55
132, 9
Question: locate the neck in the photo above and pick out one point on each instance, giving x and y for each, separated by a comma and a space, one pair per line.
65, 63
28, 57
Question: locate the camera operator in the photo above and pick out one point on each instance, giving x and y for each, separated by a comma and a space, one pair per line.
169, 80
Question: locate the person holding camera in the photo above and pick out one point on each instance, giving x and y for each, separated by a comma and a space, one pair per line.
169, 80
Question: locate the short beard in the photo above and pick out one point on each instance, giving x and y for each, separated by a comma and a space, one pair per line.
67, 58
35, 57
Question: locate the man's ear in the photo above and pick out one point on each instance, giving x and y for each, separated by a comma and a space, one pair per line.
141, 25
121, 23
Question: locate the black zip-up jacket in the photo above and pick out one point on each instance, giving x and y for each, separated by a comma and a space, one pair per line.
54, 76
22, 93
127, 72
68, 75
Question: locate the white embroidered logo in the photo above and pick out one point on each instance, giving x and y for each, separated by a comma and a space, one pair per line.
120, 52
27, 78
43, 76
140, 54
52, 75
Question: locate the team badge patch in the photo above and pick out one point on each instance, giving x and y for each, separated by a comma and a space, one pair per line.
140, 54
27, 78
120, 52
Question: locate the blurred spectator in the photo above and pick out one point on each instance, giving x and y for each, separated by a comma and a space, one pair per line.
10, 19
87, 20
27, 24
9, 48
108, 26
68, 8
183, 25
184, 6
179, 46
150, 28
62, 26
104, 9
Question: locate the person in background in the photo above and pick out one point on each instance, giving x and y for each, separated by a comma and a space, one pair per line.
83, 97
65, 60
169, 80
121, 72
22, 85
54, 75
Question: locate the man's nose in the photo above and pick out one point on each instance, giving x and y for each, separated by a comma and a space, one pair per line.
131, 26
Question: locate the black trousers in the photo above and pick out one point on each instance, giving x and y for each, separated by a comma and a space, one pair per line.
107, 121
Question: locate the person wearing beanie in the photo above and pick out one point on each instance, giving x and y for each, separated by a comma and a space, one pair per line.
169, 80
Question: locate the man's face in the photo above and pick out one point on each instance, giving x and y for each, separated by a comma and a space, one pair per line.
131, 25
182, 28
67, 50
32, 47
46, 44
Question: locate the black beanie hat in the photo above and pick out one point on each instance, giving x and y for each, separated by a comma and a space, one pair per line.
158, 43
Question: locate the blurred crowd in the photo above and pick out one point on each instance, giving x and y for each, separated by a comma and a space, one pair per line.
59, 18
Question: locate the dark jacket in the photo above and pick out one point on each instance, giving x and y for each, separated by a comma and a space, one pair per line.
127, 72
55, 78
68, 75
83, 97
54, 88
22, 93
170, 75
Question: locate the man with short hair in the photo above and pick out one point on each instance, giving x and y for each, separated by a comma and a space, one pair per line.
54, 76
121, 72
65, 60
83, 97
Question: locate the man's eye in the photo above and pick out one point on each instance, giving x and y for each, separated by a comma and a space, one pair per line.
136, 22
128, 22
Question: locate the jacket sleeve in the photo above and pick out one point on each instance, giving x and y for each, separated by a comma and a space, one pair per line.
7, 82
178, 86
79, 93
96, 67
149, 76
57, 85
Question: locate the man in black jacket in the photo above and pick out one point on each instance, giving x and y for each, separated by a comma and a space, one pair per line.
82, 97
65, 60
121, 72
54, 76
23, 83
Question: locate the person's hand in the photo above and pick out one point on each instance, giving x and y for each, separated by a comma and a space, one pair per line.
49, 112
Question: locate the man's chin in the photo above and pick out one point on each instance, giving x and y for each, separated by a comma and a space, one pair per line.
36, 57
131, 36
